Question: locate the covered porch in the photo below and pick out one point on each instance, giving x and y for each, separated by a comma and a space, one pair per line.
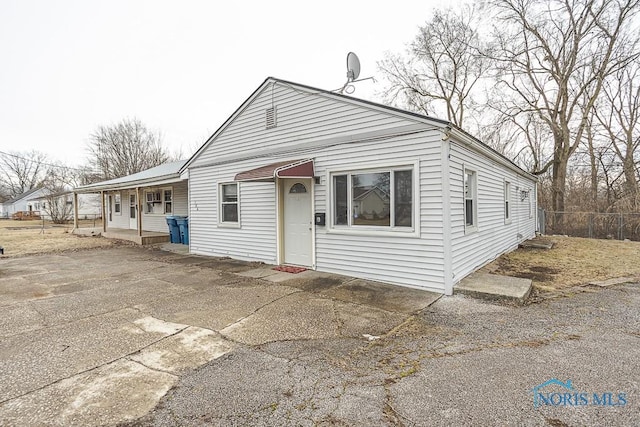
146, 238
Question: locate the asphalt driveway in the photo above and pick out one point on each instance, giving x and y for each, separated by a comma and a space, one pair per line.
136, 336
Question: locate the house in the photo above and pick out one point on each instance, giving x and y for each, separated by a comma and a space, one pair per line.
21, 203
59, 206
307, 177
135, 207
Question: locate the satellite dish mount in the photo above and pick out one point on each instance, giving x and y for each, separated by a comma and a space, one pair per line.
353, 72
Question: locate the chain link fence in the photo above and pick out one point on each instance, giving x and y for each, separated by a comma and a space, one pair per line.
593, 225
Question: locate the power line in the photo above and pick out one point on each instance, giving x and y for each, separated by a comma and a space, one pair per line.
41, 163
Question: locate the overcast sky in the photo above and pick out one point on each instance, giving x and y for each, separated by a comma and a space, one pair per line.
182, 67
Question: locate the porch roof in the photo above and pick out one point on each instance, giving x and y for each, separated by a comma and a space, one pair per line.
290, 168
160, 175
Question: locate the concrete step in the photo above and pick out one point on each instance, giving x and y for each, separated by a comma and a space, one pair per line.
495, 287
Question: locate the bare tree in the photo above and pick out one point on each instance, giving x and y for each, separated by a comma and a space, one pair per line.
442, 68
125, 148
619, 115
553, 57
21, 171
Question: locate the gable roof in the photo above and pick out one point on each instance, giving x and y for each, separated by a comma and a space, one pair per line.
163, 174
22, 196
447, 127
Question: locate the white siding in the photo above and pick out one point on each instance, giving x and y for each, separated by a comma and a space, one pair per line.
118, 220
393, 257
494, 236
158, 222
255, 240
150, 222
302, 117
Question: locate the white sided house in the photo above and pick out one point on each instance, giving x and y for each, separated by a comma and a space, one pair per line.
135, 207
307, 177
59, 206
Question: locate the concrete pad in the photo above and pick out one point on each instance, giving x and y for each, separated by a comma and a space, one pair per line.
614, 281
258, 273
88, 232
495, 287
187, 349
280, 276
304, 316
216, 307
117, 392
387, 297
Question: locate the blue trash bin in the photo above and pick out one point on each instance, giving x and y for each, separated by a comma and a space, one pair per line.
174, 230
183, 224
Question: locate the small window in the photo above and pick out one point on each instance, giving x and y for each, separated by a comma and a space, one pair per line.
168, 201
117, 203
470, 200
229, 203
159, 201
507, 201
297, 188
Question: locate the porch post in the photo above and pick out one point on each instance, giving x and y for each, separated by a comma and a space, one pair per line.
139, 208
75, 210
104, 212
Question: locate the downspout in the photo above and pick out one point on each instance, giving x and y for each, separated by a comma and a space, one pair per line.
446, 216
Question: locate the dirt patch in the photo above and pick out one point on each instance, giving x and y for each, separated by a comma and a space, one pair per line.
572, 261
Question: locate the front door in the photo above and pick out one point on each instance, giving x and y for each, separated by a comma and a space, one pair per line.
297, 222
133, 210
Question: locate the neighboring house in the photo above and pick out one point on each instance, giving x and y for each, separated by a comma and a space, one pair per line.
61, 205
303, 176
142, 201
20, 203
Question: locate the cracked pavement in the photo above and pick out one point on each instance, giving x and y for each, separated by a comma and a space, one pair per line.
135, 336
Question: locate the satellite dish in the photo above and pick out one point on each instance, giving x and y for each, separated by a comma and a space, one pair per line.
353, 67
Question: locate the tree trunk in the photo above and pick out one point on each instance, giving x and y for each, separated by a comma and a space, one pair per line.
557, 191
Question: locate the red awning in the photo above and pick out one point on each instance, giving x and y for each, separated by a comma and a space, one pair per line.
288, 169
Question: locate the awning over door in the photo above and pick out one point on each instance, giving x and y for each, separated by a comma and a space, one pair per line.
288, 169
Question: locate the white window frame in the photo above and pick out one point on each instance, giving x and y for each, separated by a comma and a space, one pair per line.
157, 201
473, 227
117, 201
413, 231
530, 194
222, 223
507, 202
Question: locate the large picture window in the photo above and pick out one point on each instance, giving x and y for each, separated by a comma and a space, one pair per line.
381, 198
229, 213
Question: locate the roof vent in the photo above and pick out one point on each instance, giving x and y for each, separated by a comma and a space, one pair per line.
271, 117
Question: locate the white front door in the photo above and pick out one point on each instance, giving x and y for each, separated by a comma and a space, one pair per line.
133, 210
297, 222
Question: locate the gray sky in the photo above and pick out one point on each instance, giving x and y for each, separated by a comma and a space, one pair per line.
182, 67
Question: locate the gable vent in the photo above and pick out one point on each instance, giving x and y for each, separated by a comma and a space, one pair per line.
271, 117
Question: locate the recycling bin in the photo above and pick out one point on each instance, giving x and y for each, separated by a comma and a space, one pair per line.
174, 229
183, 225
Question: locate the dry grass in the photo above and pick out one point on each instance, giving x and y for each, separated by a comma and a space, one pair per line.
572, 261
20, 238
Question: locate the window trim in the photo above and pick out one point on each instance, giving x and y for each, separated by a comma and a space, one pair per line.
507, 203
470, 228
220, 203
117, 201
161, 201
413, 231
